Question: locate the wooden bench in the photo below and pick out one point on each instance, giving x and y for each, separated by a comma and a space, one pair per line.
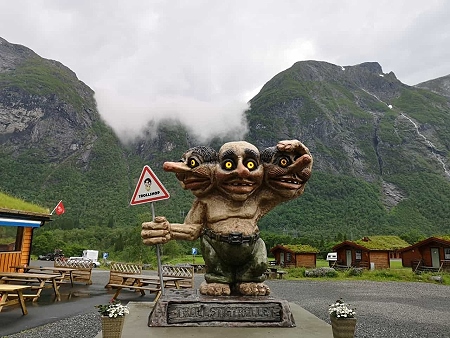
117, 268
27, 283
83, 272
418, 267
34, 281
184, 271
142, 289
273, 273
9, 290
280, 274
20, 281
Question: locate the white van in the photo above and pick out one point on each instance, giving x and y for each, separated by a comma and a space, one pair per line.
332, 256
92, 255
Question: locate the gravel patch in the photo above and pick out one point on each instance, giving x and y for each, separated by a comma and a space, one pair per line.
82, 326
384, 309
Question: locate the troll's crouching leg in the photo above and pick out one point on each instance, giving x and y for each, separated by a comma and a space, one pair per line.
251, 275
253, 270
241, 266
218, 276
217, 269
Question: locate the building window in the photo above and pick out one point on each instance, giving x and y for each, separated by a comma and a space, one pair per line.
11, 238
446, 253
288, 257
358, 255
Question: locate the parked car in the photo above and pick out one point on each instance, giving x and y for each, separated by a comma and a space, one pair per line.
46, 257
51, 256
95, 264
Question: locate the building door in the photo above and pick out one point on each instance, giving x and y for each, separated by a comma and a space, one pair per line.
348, 257
435, 257
281, 258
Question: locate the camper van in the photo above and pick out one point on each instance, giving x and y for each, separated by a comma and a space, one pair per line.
92, 255
331, 258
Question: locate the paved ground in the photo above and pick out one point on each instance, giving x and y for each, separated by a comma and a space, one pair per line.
384, 309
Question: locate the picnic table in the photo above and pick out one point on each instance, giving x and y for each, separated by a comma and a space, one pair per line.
142, 283
198, 267
63, 271
272, 273
32, 278
10, 290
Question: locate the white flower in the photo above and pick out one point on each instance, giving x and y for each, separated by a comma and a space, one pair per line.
341, 310
113, 310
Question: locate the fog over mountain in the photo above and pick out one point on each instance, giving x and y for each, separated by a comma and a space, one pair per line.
201, 62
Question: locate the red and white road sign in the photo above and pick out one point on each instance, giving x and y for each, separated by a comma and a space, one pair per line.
149, 188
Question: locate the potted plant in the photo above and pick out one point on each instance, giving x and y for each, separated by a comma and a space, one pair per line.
343, 321
113, 316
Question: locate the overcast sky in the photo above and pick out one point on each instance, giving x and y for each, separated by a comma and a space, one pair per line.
202, 61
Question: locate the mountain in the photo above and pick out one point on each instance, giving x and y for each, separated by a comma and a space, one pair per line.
439, 86
54, 144
380, 148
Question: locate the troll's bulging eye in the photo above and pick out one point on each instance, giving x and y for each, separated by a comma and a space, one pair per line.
228, 165
251, 165
284, 162
192, 163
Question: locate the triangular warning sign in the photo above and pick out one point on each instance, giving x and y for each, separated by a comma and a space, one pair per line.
149, 188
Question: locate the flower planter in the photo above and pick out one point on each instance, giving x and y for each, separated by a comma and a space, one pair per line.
343, 327
112, 327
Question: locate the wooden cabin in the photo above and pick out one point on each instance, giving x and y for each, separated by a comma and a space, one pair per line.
369, 252
432, 252
295, 255
17, 227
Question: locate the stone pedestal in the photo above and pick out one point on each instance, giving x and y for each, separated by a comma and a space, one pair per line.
190, 308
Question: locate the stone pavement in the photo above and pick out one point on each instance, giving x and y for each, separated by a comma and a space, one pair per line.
307, 326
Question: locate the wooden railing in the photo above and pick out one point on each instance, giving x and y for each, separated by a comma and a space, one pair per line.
117, 268
84, 268
187, 272
8, 259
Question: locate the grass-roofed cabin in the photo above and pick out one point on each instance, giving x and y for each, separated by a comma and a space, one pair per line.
17, 222
295, 255
431, 253
368, 252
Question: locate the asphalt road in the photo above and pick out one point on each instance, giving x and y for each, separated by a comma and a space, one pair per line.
384, 309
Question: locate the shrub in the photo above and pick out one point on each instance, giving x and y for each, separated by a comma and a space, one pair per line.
354, 272
321, 272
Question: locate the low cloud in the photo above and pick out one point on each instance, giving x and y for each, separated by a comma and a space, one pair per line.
129, 116
202, 61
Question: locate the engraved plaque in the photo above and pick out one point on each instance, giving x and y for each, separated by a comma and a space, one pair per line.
189, 308
223, 312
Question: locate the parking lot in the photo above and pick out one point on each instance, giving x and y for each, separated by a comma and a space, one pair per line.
384, 309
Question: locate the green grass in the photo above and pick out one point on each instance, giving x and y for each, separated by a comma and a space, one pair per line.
9, 202
39, 76
397, 273
186, 259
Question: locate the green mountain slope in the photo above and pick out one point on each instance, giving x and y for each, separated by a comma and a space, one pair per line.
380, 147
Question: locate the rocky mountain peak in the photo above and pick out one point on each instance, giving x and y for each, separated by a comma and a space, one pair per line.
43, 104
12, 55
439, 86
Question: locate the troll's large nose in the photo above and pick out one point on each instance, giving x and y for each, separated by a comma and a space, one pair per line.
242, 170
